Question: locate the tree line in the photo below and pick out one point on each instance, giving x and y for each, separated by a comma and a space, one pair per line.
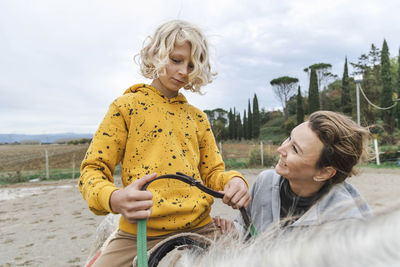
230, 126
380, 88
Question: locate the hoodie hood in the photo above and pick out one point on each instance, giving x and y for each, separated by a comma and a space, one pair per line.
148, 89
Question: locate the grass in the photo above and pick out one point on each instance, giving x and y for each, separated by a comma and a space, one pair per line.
388, 148
235, 163
12, 177
390, 158
383, 165
272, 135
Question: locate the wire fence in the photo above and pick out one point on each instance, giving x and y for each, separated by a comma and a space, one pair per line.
23, 163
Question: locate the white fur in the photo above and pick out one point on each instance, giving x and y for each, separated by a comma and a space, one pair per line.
373, 242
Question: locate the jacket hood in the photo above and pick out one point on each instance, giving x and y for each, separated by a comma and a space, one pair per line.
148, 89
340, 203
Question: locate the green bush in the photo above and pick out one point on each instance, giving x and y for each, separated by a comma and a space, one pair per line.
277, 121
388, 139
255, 159
63, 174
13, 178
385, 148
274, 134
390, 156
235, 164
270, 159
289, 125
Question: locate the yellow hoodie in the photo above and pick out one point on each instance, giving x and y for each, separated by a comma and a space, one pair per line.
150, 133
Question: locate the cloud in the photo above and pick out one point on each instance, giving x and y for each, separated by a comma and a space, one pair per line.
63, 62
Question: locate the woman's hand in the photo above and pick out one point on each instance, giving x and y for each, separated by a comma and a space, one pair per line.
224, 224
236, 193
131, 202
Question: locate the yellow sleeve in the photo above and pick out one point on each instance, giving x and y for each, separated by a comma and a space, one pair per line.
106, 150
212, 167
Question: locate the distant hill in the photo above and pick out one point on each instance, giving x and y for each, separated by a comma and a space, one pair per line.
43, 138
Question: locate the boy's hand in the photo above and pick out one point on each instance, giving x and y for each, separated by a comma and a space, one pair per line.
236, 193
224, 224
131, 202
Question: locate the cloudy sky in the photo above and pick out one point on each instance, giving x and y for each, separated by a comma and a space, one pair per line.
63, 62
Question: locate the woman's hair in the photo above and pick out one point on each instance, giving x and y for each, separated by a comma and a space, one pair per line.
345, 143
154, 56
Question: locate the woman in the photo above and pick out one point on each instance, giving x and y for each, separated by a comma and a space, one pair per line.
307, 186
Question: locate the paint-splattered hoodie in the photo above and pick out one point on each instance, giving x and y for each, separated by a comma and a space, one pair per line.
149, 133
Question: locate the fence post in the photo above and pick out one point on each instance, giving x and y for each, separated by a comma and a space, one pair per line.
73, 166
376, 152
47, 164
220, 148
262, 153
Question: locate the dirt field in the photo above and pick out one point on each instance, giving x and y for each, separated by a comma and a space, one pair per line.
49, 224
32, 157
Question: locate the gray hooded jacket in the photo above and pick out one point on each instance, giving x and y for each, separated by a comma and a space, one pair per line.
341, 202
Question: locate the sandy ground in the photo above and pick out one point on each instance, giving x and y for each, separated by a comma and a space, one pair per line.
49, 224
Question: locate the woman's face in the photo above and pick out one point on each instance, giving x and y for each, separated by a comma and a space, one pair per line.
299, 154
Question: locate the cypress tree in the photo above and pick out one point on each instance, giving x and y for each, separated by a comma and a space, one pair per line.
313, 94
323, 75
256, 117
249, 123
239, 127
387, 90
346, 100
299, 107
245, 135
235, 126
230, 126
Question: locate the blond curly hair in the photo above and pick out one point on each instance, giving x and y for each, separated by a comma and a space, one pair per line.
154, 55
